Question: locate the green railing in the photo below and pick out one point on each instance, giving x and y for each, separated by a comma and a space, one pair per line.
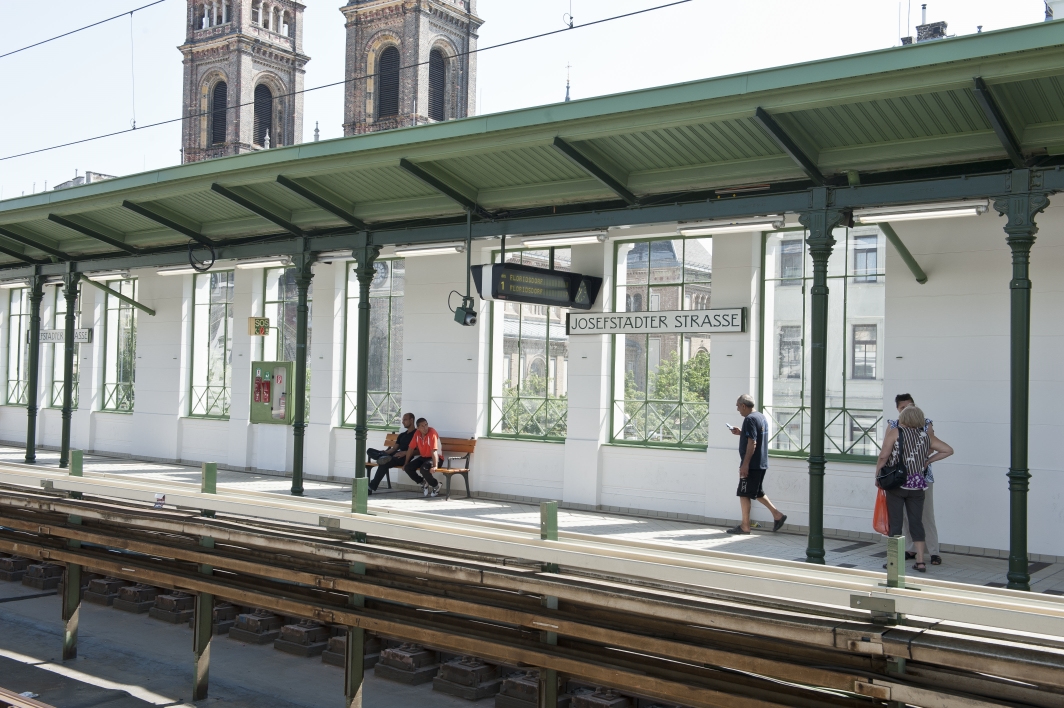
848, 431
529, 417
57, 394
383, 408
661, 422
17, 393
118, 397
210, 401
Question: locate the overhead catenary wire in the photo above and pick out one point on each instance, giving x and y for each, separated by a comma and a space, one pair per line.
345, 81
81, 29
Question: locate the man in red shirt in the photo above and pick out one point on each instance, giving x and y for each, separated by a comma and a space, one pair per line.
425, 455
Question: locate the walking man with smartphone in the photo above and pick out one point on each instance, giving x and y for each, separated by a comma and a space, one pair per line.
753, 453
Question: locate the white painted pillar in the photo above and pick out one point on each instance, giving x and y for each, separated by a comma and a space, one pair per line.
247, 302
81, 426
161, 373
325, 364
735, 358
588, 384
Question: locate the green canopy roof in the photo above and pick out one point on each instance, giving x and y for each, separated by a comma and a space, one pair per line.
901, 108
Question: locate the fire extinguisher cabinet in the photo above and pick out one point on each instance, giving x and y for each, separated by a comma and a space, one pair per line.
271, 392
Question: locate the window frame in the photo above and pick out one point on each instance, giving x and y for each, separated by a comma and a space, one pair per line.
107, 395
847, 415
682, 284
21, 397
854, 327
561, 417
227, 355
55, 396
351, 308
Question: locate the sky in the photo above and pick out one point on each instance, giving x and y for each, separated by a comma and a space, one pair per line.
103, 79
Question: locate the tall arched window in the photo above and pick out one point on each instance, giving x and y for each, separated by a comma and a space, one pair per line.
219, 102
388, 83
263, 115
437, 85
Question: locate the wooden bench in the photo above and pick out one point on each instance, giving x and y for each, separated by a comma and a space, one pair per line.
454, 449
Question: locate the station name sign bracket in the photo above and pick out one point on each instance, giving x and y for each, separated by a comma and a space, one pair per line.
723, 321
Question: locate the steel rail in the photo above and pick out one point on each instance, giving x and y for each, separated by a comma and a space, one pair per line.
993, 607
798, 675
985, 659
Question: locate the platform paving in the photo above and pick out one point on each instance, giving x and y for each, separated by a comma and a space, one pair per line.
841, 552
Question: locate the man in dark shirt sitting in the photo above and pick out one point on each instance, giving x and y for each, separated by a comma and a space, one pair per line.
753, 453
396, 455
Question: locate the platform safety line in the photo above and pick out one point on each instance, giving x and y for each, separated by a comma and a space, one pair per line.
811, 584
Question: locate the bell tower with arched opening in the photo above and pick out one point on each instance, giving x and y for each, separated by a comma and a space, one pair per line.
408, 62
243, 64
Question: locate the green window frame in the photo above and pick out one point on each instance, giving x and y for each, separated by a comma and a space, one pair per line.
661, 382
856, 331
281, 298
385, 381
55, 399
210, 378
18, 326
120, 347
529, 360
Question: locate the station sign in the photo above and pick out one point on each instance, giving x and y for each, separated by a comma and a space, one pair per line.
731, 320
58, 336
538, 286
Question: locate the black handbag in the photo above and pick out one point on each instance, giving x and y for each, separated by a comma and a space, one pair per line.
894, 476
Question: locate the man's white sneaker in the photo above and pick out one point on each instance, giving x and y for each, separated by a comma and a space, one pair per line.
424, 489
435, 490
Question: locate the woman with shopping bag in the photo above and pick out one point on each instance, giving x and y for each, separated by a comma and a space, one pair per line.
907, 451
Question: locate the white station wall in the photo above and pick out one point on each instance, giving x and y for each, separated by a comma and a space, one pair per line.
947, 344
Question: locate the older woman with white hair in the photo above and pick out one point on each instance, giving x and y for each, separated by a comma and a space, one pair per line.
911, 446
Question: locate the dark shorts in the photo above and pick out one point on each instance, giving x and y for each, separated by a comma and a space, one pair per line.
750, 486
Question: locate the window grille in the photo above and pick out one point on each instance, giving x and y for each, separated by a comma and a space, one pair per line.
437, 85
263, 115
388, 83
219, 104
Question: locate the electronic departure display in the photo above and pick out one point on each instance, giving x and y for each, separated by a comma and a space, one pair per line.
537, 286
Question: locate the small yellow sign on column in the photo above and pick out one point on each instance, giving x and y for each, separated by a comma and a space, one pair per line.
258, 326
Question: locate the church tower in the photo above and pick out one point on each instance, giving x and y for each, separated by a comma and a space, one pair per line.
243, 62
409, 62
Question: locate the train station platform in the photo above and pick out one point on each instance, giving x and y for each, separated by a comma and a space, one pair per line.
856, 551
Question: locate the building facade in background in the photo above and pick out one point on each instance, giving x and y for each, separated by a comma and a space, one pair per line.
409, 62
243, 77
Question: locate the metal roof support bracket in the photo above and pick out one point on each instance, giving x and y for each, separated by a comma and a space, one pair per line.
124, 298
168, 223
442, 187
588, 165
92, 233
255, 208
35, 244
788, 146
318, 199
903, 251
997, 121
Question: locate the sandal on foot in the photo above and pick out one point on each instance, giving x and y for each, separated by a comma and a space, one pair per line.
738, 530
936, 560
909, 555
920, 567
778, 523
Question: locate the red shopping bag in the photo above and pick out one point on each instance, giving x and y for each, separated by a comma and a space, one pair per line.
881, 519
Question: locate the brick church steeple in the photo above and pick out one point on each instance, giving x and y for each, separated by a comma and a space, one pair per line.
243, 62
409, 62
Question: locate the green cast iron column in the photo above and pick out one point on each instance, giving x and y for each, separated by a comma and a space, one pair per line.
33, 374
1020, 207
820, 222
70, 292
366, 271
304, 275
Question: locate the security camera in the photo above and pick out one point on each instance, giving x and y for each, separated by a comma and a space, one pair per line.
466, 315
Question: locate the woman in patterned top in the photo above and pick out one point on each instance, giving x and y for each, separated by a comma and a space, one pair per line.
911, 444
902, 401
